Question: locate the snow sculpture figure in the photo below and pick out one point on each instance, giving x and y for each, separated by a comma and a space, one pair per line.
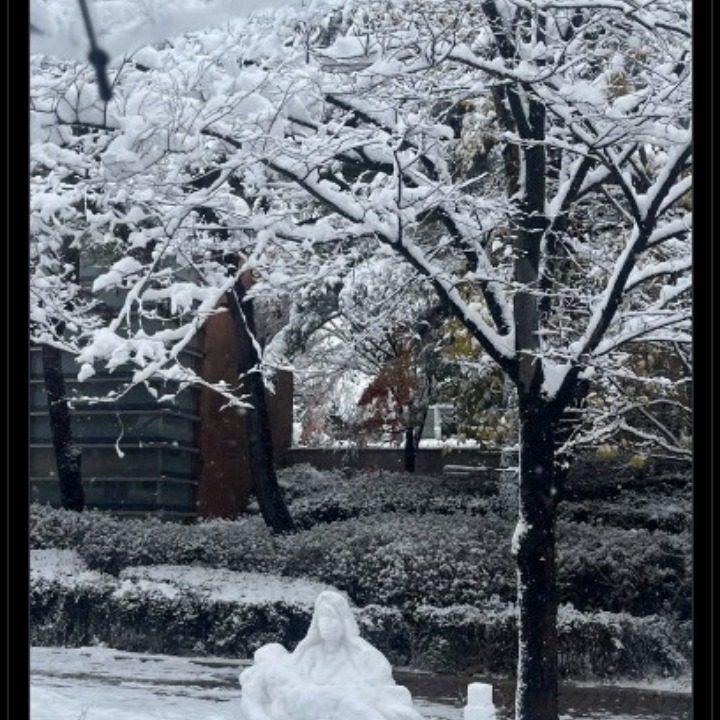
333, 674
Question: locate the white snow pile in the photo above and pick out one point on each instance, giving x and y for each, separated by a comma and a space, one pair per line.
67, 568
222, 585
63, 567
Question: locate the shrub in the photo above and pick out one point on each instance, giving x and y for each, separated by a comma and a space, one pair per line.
337, 497
636, 571
166, 610
414, 555
465, 638
113, 544
633, 511
595, 645
56, 528
596, 477
404, 560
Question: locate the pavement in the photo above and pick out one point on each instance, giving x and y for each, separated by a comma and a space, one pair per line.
99, 683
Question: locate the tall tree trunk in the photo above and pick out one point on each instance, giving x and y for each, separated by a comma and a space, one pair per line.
534, 543
260, 447
414, 430
410, 449
67, 455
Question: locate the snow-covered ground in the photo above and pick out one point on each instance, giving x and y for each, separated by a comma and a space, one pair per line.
98, 683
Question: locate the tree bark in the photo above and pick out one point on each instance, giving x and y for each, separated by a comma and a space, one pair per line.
261, 457
534, 543
67, 455
410, 449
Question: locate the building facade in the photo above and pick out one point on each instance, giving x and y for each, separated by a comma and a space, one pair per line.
178, 461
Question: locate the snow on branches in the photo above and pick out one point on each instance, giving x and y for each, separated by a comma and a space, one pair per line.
305, 143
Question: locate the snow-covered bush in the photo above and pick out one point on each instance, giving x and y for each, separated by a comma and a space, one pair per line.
387, 629
109, 543
629, 511
396, 559
466, 638
591, 645
635, 571
179, 609
612, 474
429, 567
403, 541
339, 497
603, 643
303, 479
403, 559
244, 544
64, 597
57, 528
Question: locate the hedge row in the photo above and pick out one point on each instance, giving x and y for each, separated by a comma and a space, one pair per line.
599, 491
398, 560
458, 638
320, 497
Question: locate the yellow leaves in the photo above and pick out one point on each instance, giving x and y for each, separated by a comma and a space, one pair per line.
478, 133
606, 452
637, 55
638, 461
460, 344
618, 84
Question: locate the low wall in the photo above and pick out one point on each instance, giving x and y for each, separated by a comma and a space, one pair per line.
429, 461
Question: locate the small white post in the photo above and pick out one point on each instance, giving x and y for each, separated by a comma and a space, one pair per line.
437, 423
479, 702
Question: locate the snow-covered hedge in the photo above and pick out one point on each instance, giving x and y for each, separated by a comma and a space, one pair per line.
320, 497
389, 559
178, 609
591, 645
667, 512
110, 544
427, 563
396, 559
196, 610
637, 571
595, 477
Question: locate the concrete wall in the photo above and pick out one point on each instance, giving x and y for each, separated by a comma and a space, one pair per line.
429, 461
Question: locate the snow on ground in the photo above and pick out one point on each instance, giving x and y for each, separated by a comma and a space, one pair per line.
87, 700
100, 683
68, 568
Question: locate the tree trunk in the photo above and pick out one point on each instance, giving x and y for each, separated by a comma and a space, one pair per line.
260, 448
534, 543
410, 449
67, 456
